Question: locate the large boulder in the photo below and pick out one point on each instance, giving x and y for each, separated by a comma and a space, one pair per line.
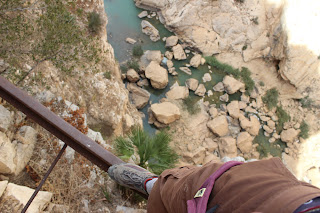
132, 75
5, 118
178, 52
148, 56
172, 41
165, 112
192, 84
178, 92
232, 85
227, 147
157, 75
219, 87
289, 135
244, 142
150, 30
201, 90
196, 60
233, 109
16, 197
138, 96
252, 126
219, 125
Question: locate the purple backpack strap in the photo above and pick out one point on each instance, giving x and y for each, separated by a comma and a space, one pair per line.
199, 203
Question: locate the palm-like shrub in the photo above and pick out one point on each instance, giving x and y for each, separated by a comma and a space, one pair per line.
154, 152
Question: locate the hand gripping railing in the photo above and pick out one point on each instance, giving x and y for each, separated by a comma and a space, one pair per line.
58, 127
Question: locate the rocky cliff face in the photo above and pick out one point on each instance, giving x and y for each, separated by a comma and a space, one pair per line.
267, 30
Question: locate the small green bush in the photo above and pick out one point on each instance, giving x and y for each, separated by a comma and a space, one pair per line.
306, 102
247, 80
154, 152
107, 75
191, 105
304, 130
137, 51
255, 20
95, 22
282, 118
212, 61
133, 64
271, 98
240, 1
261, 83
123, 68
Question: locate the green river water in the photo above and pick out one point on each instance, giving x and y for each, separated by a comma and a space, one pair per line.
123, 22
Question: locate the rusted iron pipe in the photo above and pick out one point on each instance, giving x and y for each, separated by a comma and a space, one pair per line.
57, 126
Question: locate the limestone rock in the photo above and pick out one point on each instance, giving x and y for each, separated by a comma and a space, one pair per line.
165, 112
143, 14
143, 82
201, 90
178, 52
232, 85
131, 41
271, 124
213, 112
123, 209
169, 64
26, 139
172, 41
192, 84
233, 109
267, 129
252, 126
227, 147
132, 75
244, 142
178, 92
224, 98
199, 155
169, 55
219, 87
210, 158
206, 77
196, 60
219, 125
186, 70
289, 135
5, 118
15, 197
210, 145
157, 75
242, 105
153, 55
3, 186
150, 30
7, 155
138, 96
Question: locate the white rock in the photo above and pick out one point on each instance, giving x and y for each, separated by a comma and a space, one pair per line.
7, 155
150, 30
233, 109
224, 98
178, 52
172, 41
192, 84
186, 70
138, 96
165, 112
143, 14
123, 209
210, 93
227, 147
178, 92
5, 118
219, 125
289, 135
132, 75
206, 77
213, 112
169, 55
16, 195
244, 142
157, 75
169, 64
196, 60
232, 85
219, 87
201, 90
3, 186
131, 41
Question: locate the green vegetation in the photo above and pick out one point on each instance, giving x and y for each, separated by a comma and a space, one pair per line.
154, 152
133, 64
282, 118
306, 102
55, 36
107, 75
240, 1
244, 74
255, 20
94, 22
265, 147
137, 51
247, 80
229, 70
261, 83
190, 104
106, 193
271, 98
244, 47
304, 130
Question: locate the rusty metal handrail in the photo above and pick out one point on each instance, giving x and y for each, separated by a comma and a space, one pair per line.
57, 126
